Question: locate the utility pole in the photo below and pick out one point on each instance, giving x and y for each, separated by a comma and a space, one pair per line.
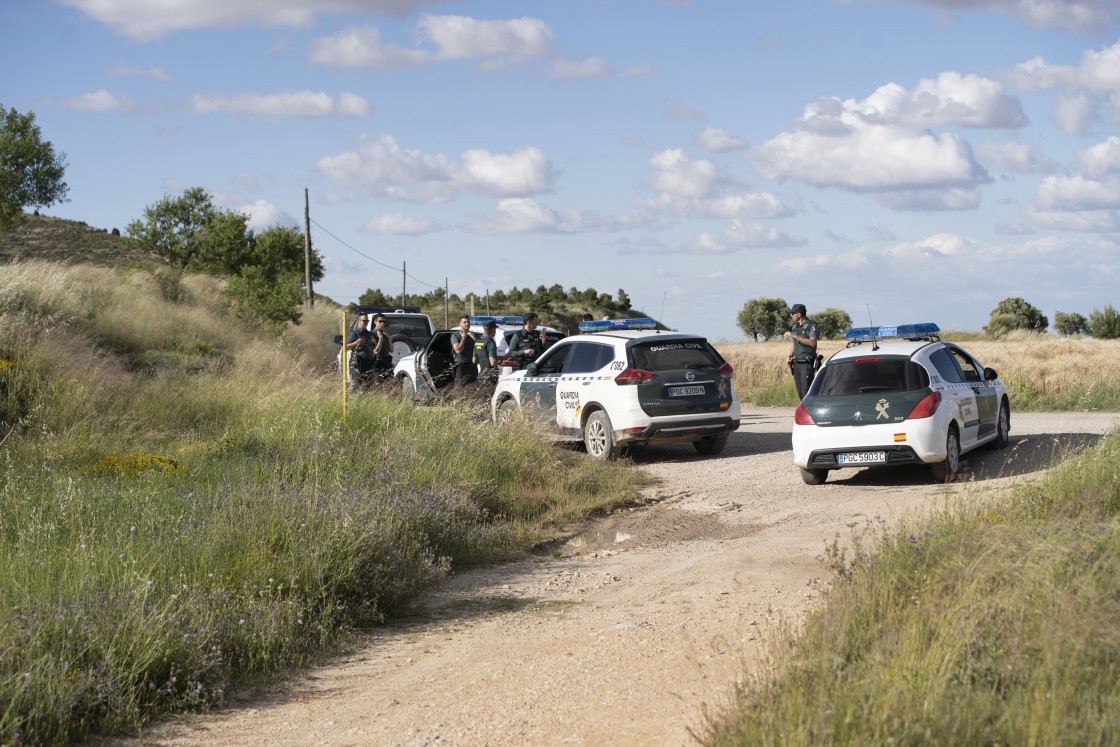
307, 249
446, 299
404, 283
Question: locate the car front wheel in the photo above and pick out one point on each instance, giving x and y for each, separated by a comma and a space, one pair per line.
598, 437
508, 411
945, 471
1003, 428
408, 389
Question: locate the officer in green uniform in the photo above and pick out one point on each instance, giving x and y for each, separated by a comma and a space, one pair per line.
803, 335
527, 344
462, 353
486, 355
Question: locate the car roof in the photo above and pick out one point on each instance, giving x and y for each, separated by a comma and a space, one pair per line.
637, 334
887, 347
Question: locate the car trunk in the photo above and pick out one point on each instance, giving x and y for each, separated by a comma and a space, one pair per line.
685, 376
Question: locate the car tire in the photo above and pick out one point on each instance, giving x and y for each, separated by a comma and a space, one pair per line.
814, 476
946, 470
598, 437
408, 389
508, 411
401, 346
1003, 428
710, 446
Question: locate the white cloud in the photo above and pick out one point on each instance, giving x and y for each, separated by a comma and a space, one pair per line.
719, 141
1076, 193
752, 205
1069, 15
593, 67
952, 100
680, 175
363, 47
383, 168
1016, 158
1085, 88
528, 215
683, 111
399, 224
1102, 159
97, 101
262, 213
296, 104
144, 20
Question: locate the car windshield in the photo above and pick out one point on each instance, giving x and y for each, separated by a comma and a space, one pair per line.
871, 374
409, 327
674, 355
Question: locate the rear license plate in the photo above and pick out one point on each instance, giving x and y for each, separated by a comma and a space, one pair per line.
686, 391
863, 457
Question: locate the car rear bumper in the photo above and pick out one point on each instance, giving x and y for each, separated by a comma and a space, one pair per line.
913, 442
669, 430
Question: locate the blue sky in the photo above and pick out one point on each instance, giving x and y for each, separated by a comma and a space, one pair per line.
921, 158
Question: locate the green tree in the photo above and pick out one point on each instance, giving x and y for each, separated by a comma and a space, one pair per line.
261, 296
1070, 324
1015, 313
282, 249
30, 171
1104, 324
623, 301
191, 234
761, 318
833, 323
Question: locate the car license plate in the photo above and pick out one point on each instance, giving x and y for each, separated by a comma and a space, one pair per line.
863, 457
686, 391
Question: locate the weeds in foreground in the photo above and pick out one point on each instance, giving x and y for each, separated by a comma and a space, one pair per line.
990, 622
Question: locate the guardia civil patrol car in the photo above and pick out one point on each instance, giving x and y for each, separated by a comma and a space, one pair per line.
623, 383
899, 395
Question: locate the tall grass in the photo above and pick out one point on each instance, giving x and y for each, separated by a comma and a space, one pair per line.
184, 510
995, 621
1042, 372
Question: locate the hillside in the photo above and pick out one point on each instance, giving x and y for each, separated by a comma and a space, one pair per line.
67, 241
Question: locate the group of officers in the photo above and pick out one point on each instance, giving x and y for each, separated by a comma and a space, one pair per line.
475, 358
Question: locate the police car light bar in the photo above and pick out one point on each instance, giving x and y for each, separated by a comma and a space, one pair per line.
498, 319
613, 325
870, 334
388, 310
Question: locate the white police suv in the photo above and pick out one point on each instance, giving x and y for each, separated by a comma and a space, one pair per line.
898, 395
625, 383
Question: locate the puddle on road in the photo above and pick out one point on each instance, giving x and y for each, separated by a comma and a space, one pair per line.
598, 539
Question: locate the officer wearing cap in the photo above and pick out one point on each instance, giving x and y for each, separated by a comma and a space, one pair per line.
527, 344
486, 354
803, 334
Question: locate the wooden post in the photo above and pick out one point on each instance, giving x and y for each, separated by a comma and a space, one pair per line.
307, 249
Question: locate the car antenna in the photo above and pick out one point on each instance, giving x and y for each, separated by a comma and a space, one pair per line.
874, 340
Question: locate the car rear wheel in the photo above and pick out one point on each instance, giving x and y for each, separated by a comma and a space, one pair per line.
402, 346
508, 411
1003, 428
710, 445
945, 471
814, 476
598, 437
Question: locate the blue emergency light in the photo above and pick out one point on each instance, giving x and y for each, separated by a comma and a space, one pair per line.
614, 325
388, 310
498, 319
870, 334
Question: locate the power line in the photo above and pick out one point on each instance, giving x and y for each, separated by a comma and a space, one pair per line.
371, 259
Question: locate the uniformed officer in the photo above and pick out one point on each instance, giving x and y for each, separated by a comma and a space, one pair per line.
382, 348
527, 344
802, 334
360, 344
462, 349
486, 355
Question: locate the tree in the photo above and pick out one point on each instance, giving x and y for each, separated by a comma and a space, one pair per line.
832, 322
623, 300
1015, 313
763, 317
1105, 324
1070, 324
259, 295
282, 249
191, 234
30, 171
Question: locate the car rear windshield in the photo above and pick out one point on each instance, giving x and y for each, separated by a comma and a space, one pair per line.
871, 374
407, 326
674, 355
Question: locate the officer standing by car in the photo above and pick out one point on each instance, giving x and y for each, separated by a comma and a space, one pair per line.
527, 344
382, 348
803, 334
486, 355
462, 353
359, 345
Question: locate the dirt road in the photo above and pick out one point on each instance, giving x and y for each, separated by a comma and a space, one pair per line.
624, 634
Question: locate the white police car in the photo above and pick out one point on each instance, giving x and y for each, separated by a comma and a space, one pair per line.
623, 384
507, 325
898, 395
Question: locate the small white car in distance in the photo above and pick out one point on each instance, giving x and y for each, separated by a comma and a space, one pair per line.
622, 383
898, 395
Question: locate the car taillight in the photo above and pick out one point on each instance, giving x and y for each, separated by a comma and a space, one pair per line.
726, 369
801, 416
633, 376
926, 407
511, 362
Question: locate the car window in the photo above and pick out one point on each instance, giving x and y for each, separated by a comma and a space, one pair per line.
873, 374
553, 361
968, 367
673, 355
945, 366
588, 356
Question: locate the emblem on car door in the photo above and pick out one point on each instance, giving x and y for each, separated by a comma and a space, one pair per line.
881, 408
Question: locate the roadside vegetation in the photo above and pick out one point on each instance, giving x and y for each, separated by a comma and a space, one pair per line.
184, 510
994, 621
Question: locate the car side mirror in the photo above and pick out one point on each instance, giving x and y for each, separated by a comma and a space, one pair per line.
531, 369
338, 339
990, 374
